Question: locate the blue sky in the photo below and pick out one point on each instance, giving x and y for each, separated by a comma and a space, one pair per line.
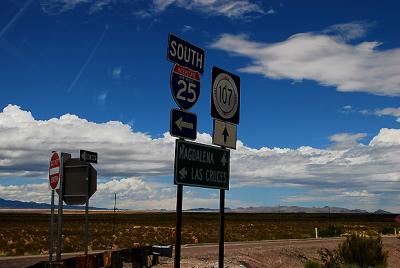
320, 87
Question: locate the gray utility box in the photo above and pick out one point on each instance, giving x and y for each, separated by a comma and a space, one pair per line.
79, 181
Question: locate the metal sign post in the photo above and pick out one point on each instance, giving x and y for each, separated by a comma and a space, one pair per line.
225, 106
60, 209
51, 247
54, 183
221, 227
86, 238
90, 183
179, 197
115, 207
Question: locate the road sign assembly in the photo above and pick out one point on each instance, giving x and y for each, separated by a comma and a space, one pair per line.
201, 165
225, 96
183, 124
185, 86
54, 171
88, 156
224, 134
79, 181
185, 53
55, 174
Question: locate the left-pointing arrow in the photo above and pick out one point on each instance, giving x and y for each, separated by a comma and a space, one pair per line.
182, 124
183, 172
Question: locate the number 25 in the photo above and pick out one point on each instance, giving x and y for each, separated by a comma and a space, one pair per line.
190, 90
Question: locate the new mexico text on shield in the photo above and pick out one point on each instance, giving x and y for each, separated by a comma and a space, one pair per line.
201, 165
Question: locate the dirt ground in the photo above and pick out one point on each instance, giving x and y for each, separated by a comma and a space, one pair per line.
291, 253
271, 254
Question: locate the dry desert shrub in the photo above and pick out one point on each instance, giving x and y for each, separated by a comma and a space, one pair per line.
357, 251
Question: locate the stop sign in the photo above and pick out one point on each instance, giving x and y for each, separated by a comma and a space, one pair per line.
54, 171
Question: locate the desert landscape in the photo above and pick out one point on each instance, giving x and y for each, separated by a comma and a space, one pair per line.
252, 239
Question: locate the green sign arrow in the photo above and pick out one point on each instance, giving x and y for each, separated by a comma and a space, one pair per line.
201, 165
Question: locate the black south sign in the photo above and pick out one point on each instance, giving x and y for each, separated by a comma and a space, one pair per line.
185, 53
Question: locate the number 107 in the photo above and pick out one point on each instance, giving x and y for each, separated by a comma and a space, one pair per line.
225, 95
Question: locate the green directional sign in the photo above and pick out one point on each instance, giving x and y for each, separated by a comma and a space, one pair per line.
201, 165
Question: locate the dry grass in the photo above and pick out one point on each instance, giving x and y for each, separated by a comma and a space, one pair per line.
28, 233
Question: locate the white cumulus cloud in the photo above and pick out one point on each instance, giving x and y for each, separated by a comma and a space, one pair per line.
25, 144
132, 193
362, 194
389, 111
349, 31
326, 58
134, 162
346, 140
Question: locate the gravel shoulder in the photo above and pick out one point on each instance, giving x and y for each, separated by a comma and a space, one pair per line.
271, 254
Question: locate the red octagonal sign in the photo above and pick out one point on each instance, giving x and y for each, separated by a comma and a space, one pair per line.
54, 171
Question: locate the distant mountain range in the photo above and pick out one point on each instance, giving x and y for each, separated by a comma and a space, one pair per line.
291, 209
14, 204
381, 211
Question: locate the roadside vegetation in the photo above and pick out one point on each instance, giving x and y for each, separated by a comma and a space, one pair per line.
357, 251
28, 233
332, 231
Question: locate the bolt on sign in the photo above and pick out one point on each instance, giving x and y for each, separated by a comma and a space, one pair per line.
201, 165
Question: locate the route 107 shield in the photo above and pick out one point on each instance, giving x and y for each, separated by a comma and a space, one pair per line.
225, 96
185, 86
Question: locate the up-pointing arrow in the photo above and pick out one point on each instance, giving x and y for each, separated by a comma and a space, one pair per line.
225, 134
183, 172
223, 160
183, 124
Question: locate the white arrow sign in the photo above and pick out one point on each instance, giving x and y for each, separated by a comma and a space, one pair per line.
88, 156
182, 124
224, 134
183, 172
223, 160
